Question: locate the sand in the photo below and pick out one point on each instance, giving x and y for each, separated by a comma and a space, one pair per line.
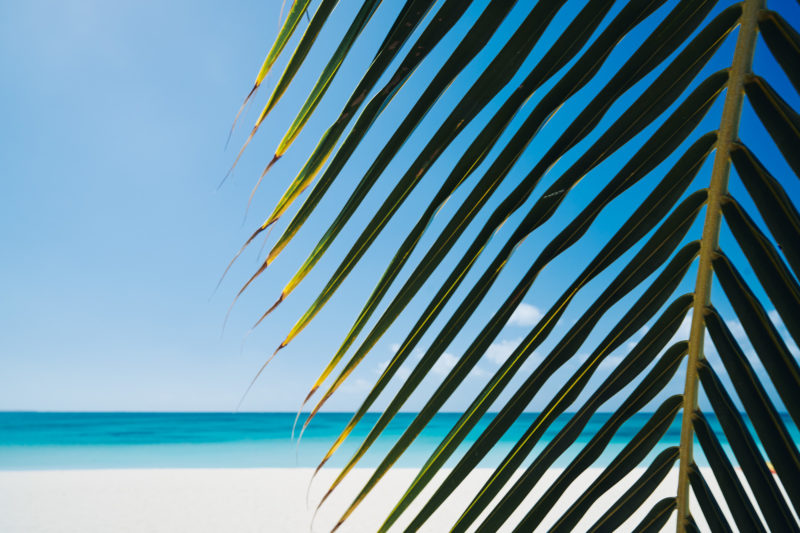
246, 500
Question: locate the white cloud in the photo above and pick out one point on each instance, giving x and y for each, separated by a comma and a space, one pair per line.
755, 361
357, 386
499, 351
736, 329
776, 318
531, 362
478, 372
612, 361
417, 353
525, 315
445, 363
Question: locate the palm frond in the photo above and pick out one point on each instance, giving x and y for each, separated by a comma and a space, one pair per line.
647, 117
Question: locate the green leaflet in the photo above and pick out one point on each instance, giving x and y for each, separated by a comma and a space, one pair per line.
770, 428
768, 495
772, 202
494, 78
630, 456
773, 353
708, 503
738, 503
573, 37
292, 18
330, 70
321, 86
680, 123
299, 55
304, 46
784, 43
780, 120
295, 13
778, 283
657, 517
635, 496
631, 500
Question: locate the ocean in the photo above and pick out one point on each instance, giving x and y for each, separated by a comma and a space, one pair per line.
58, 441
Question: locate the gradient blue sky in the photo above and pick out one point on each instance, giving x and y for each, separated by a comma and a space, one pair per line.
115, 117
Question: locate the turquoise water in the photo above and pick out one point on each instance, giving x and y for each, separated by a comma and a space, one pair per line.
34, 441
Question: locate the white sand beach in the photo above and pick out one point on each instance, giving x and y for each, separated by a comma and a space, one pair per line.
243, 500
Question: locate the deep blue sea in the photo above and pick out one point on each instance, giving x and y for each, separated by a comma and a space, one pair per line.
35, 441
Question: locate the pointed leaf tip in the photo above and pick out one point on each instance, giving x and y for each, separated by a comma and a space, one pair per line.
260, 179
268, 311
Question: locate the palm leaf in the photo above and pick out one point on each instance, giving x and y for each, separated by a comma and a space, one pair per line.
472, 43
299, 55
287, 29
652, 112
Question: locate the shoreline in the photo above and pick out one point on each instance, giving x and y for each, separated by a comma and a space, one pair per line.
257, 500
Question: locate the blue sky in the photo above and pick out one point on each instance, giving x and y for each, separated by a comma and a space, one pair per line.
114, 234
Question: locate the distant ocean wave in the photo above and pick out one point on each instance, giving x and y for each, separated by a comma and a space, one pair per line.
46, 440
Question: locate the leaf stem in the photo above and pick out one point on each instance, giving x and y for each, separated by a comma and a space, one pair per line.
728, 133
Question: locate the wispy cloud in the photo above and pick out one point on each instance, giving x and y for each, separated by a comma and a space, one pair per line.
499, 351
612, 361
525, 315
445, 363
736, 329
781, 327
478, 372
